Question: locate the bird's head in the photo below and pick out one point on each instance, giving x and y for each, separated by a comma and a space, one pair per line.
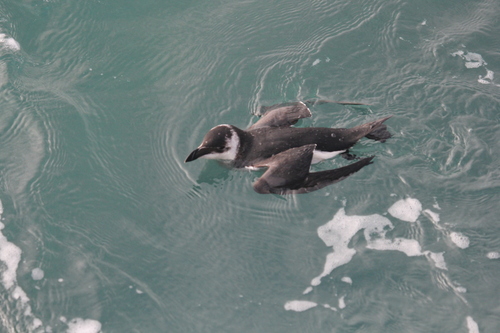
220, 143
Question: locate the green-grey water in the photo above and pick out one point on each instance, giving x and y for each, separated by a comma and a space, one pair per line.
105, 228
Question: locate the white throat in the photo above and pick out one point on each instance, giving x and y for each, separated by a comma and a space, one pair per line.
233, 143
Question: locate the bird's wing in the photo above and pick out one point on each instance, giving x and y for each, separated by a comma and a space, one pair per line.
282, 115
317, 180
288, 172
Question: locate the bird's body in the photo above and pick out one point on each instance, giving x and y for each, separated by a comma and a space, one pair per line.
273, 143
262, 143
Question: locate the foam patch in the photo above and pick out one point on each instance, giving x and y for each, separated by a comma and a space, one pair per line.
475, 60
346, 279
328, 306
342, 302
10, 256
472, 325
493, 255
79, 325
460, 240
37, 274
408, 209
9, 42
434, 217
410, 247
339, 231
487, 79
437, 259
297, 306
472, 60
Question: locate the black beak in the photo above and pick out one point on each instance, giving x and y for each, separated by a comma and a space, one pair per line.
193, 156
197, 153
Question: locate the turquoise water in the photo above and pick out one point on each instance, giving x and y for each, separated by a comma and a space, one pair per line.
105, 228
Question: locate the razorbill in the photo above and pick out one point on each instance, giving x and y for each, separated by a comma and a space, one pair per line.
287, 152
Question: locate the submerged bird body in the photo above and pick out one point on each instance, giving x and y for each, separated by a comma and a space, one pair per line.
286, 151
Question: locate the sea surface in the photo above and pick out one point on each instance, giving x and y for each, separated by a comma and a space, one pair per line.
104, 228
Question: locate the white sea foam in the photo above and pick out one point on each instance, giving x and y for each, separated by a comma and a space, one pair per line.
434, 217
436, 205
346, 279
79, 325
487, 79
37, 323
475, 60
299, 306
472, 60
9, 42
328, 306
19, 294
342, 302
10, 256
437, 259
338, 232
37, 274
408, 209
307, 291
460, 240
410, 247
472, 325
493, 255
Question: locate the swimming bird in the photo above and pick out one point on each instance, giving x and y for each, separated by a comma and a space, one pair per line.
286, 151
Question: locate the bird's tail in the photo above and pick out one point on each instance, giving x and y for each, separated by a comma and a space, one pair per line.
375, 130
